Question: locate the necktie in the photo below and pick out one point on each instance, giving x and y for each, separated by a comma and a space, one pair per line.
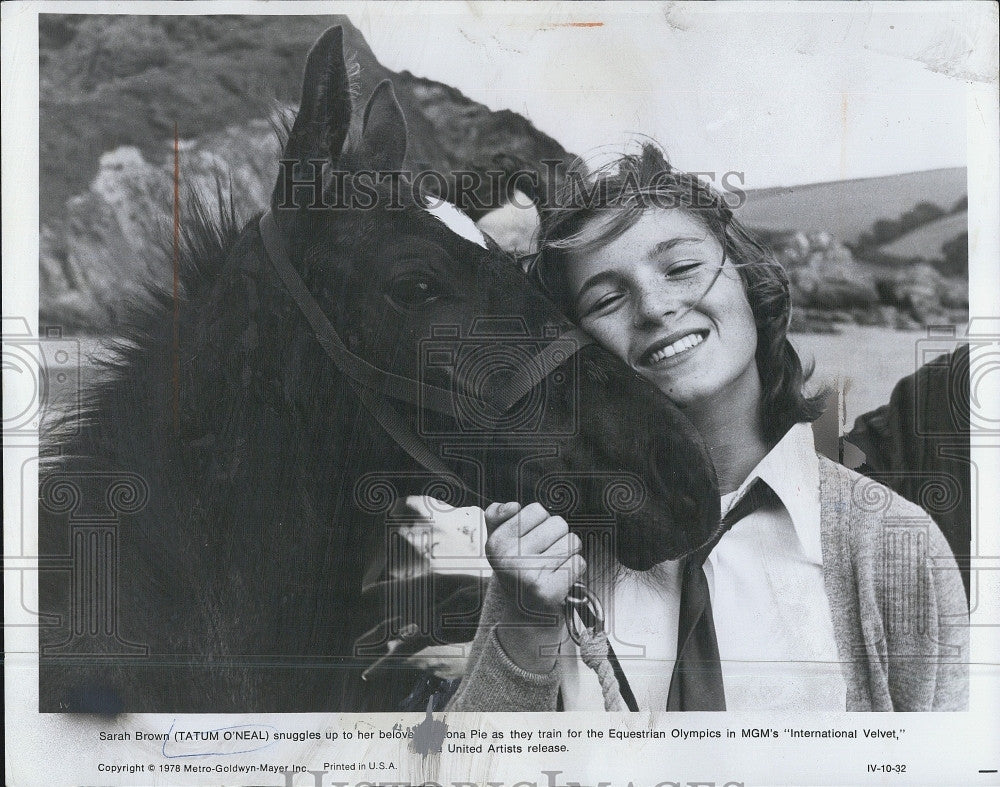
696, 683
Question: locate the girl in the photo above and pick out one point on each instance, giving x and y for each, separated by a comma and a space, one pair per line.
832, 594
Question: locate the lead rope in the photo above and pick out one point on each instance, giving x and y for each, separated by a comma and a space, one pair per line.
582, 606
594, 652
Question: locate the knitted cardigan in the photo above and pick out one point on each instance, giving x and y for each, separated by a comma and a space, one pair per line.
900, 618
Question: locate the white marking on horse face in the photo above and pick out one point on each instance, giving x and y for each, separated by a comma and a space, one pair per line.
455, 220
513, 227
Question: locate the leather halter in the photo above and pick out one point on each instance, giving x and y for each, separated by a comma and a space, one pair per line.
375, 386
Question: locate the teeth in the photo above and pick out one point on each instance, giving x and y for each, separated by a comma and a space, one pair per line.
682, 344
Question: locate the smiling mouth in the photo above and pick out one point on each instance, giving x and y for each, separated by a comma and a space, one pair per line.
662, 350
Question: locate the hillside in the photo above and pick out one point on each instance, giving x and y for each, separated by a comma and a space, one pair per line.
847, 208
927, 242
113, 81
822, 233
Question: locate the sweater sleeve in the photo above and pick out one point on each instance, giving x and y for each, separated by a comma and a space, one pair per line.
492, 681
927, 618
896, 596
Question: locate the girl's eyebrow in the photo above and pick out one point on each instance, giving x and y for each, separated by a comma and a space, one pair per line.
667, 245
603, 277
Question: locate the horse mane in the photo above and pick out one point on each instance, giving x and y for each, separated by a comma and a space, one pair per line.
209, 228
206, 234
234, 505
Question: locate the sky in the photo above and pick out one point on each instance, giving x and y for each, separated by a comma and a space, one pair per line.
786, 94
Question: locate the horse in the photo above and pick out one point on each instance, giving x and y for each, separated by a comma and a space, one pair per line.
214, 531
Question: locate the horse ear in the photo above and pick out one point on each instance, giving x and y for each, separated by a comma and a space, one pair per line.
383, 138
324, 114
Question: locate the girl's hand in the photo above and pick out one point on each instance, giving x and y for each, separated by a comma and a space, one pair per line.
534, 555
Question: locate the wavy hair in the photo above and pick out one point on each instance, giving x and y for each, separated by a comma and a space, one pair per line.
620, 192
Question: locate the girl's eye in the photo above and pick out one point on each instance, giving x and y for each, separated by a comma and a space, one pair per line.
603, 304
685, 268
410, 292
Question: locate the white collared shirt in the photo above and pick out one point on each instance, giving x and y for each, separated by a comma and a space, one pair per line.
772, 617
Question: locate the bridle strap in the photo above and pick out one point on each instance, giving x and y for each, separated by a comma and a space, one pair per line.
541, 365
357, 368
402, 432
393, 385
365, 377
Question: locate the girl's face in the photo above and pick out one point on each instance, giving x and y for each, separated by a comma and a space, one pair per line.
635, 294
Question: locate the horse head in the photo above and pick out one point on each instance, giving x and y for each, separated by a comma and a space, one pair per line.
498, 389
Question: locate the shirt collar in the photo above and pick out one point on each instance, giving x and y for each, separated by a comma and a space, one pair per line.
791, 469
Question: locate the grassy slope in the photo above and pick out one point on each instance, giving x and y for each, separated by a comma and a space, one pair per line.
846, 208
112, 81
926, 241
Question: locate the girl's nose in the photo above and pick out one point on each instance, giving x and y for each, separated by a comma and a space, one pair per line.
654, 301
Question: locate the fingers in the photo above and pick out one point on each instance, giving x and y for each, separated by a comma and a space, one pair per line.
532, 526
527, 518
534, 555
571, 570
567, 545
576, 567
498, 513
530, 517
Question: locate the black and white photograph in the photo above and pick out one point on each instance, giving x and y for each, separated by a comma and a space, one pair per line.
411, 392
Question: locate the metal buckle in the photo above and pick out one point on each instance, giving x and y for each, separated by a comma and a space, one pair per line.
587, 608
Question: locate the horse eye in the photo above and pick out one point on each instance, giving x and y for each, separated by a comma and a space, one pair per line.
409, 292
